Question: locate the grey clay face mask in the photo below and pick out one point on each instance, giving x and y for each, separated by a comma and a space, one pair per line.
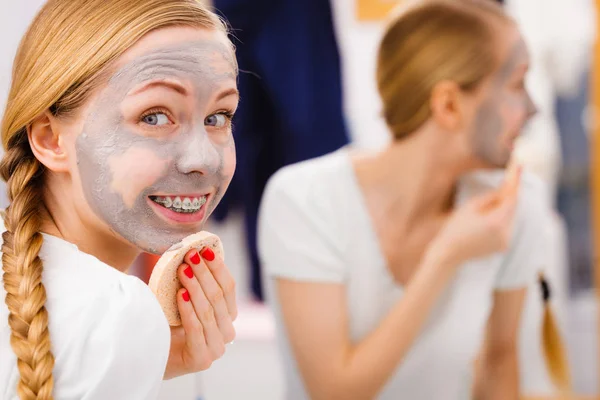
121, 165
489, 122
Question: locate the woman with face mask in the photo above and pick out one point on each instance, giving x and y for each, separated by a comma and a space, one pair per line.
117, 139
401, 273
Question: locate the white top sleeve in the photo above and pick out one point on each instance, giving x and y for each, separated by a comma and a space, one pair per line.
124, 350
525, 256
296, 232
108, 334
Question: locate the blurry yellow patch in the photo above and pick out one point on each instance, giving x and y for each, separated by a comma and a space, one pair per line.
374, 10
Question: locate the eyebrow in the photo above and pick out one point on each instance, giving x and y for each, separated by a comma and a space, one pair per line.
168, 84
227, 93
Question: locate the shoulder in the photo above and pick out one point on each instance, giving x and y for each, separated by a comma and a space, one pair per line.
107, 332
108, 301
301, 226
311, 193
314, 191
116, 344
299, 180
106, 327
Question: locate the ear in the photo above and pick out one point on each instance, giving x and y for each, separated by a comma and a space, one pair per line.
46, 142
445, 105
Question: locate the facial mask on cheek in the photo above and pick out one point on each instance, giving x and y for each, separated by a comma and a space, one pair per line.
115, 179
487, 132
134, 171
119, 168
490, 123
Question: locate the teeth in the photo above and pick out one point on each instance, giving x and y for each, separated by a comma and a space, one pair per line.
177, 202
187, 205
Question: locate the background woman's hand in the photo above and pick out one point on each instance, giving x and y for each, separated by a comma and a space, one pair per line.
481, 226
208, 308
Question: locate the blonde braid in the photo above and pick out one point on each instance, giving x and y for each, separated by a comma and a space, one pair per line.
25, 293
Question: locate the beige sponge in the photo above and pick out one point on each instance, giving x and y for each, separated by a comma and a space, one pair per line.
164, 281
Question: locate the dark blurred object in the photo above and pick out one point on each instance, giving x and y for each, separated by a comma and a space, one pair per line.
574, 189
291, 97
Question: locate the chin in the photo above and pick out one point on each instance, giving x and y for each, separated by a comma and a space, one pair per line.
159, 248
498, 161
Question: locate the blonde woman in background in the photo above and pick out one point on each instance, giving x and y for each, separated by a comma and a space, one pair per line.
386, 283
117, 140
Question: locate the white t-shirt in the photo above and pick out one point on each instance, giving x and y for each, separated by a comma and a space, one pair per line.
108, 334
314, 226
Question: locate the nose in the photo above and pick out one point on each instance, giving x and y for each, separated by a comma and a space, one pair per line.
532, 109
198, 153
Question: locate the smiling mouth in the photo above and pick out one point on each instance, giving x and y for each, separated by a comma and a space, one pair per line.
180, 204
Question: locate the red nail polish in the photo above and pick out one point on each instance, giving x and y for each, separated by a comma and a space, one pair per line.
195, 259
188, 272
186, 296
208, 254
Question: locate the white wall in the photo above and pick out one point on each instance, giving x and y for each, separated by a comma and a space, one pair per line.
14, 20
358, 43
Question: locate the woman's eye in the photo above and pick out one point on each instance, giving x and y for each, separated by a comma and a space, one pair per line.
156, 119
216, 120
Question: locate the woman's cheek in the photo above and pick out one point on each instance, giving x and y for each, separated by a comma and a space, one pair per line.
134, 171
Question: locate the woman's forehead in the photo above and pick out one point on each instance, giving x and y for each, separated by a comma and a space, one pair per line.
512, 52
169, 37
203, 63
199, 61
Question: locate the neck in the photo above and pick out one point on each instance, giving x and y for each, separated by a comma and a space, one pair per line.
64, 221
413, 178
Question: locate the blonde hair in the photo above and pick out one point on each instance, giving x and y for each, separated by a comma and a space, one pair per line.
555, 352
61, 59
430, 41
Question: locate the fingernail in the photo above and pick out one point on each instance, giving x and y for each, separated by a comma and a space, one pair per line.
188, 272
195, 259
208, 254
186, 296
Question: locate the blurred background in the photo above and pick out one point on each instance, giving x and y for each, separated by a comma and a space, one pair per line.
308, 88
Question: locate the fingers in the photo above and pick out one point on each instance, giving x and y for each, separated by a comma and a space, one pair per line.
506, 195
194, 333
512, 180
503, 216
510, 193
506, 211
486, 201
224, 279
214, 293
204, 311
